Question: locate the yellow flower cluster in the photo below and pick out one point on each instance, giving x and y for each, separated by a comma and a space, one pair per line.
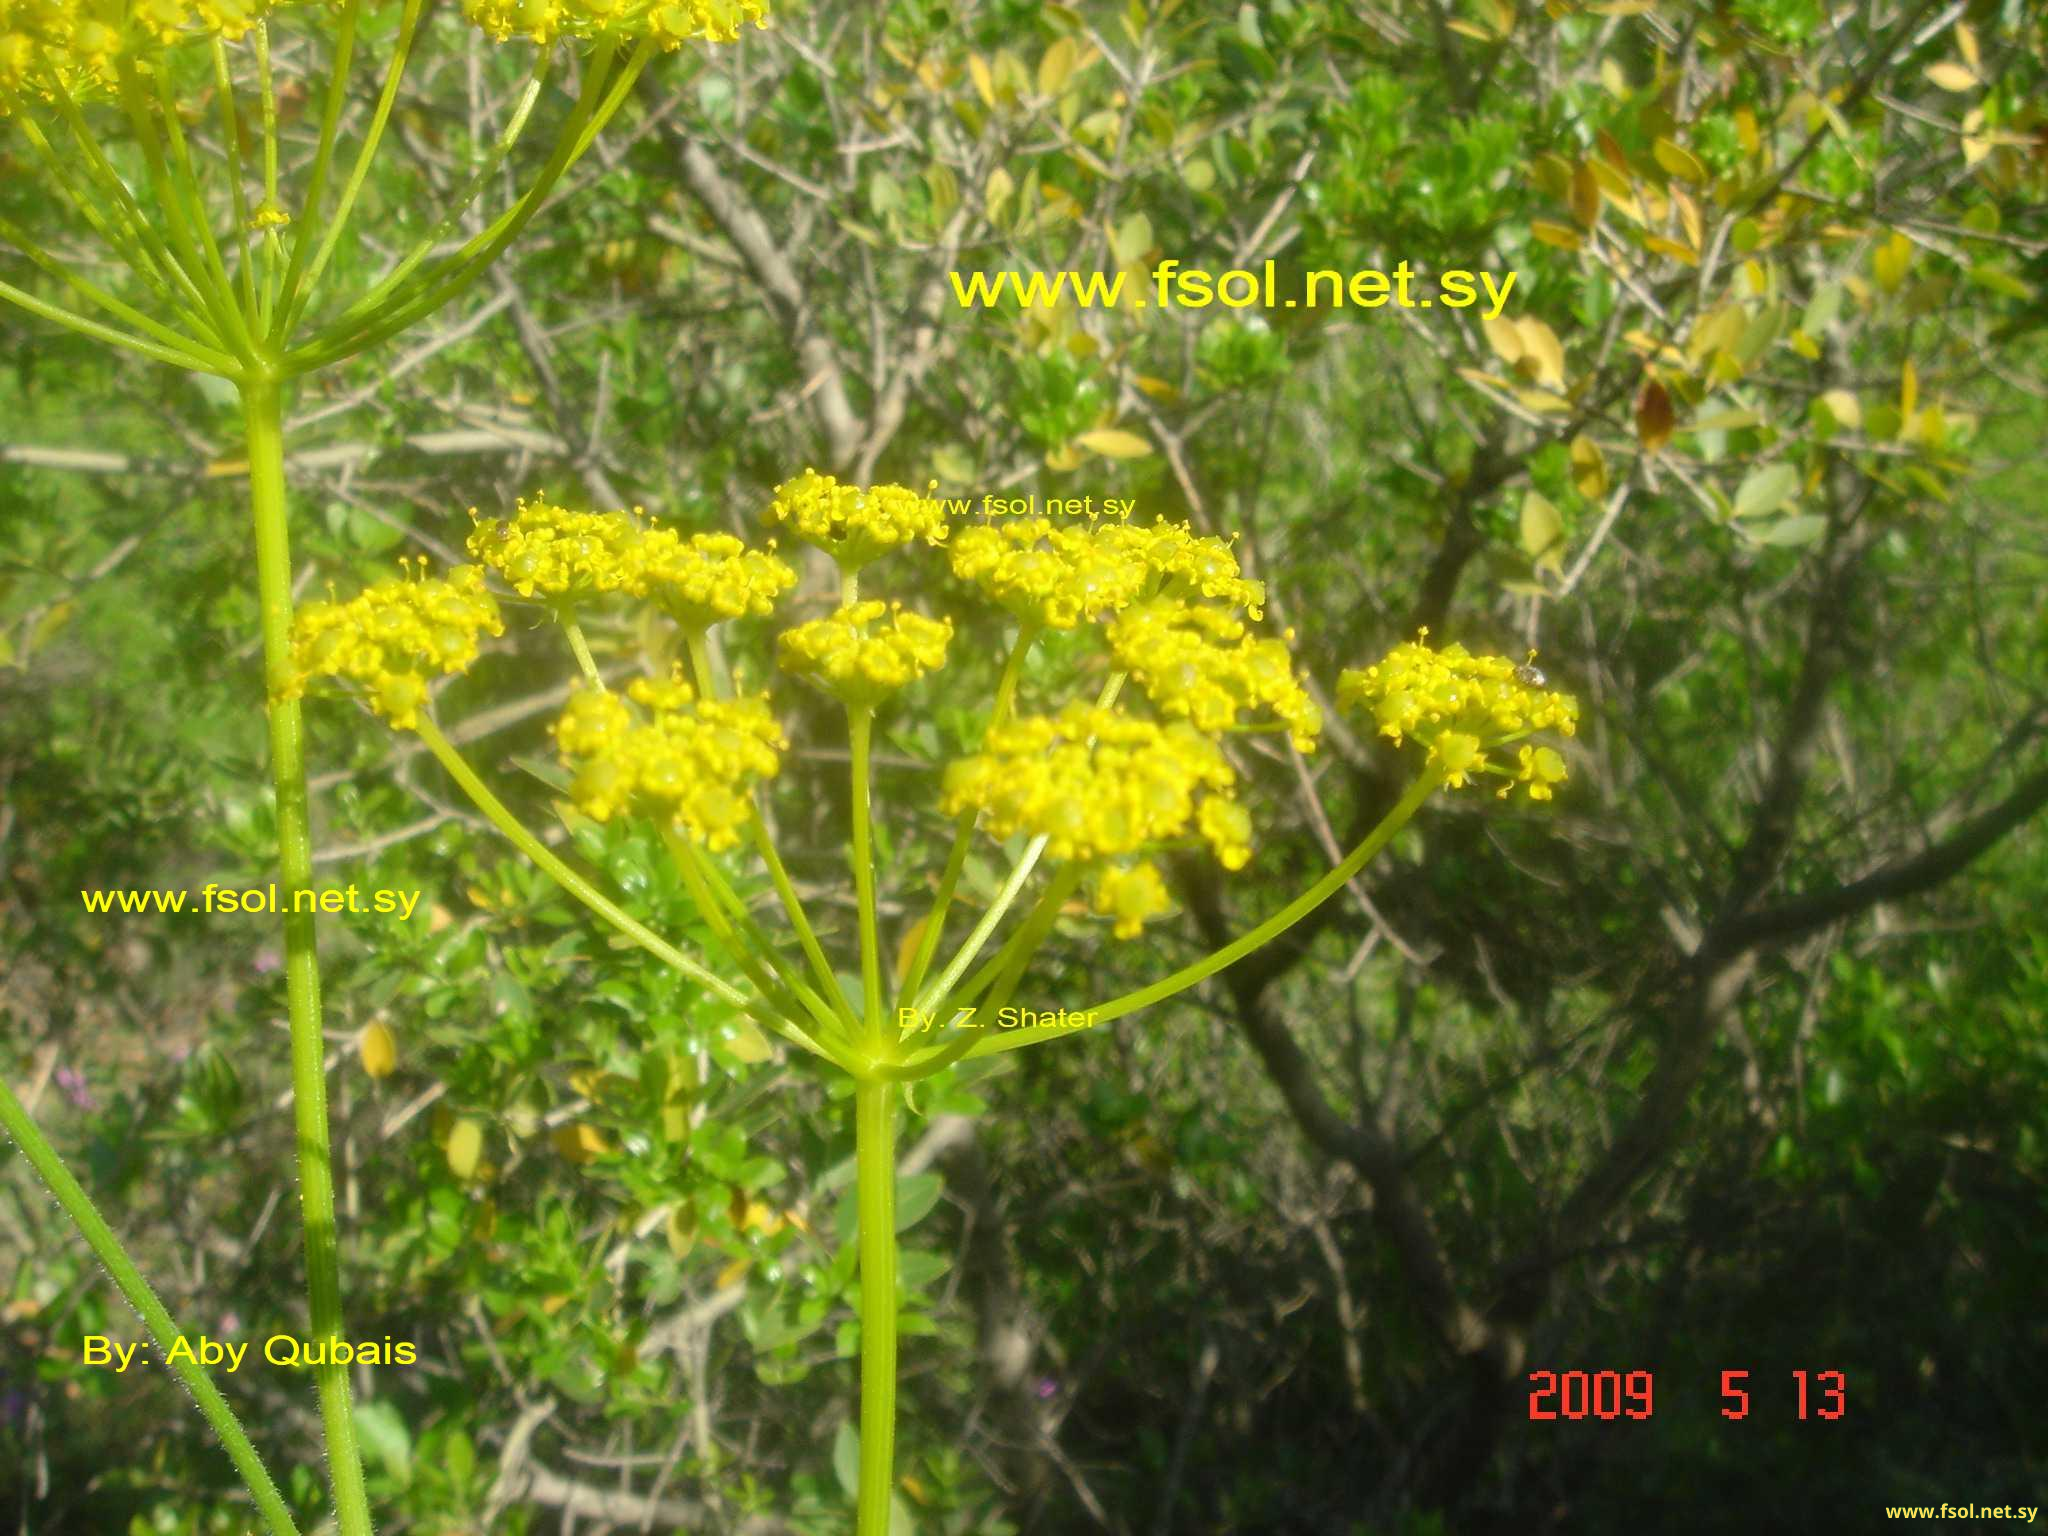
1056, 577
1132, 896
852, 525
1048, 576
708, 577
692, 760
1459, 705
865, 652
392, 635
1198, 662
668, 23
77, 43
1190, 564
1098, 784
562, 555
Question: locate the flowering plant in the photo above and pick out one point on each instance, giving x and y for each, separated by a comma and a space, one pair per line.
228, 269
1086, 790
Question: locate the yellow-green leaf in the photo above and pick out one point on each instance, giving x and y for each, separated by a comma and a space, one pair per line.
1114, 443
465, 1147
1133, 239
1951, 76
378, 1048
1678, 160
1589, 467
1542, 528
1844, 407
748, 1044
1766, 490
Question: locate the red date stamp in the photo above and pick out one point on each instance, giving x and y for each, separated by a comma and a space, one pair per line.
1632, 1395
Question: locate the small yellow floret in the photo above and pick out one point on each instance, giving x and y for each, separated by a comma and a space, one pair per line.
389, 638
1198, 662
694, 761
1459, 705
853, 525
1132, 896
864, 653
1098, 784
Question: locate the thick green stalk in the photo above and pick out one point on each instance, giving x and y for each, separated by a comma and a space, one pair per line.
263, 414
860, 728
874, 1117
129, 1281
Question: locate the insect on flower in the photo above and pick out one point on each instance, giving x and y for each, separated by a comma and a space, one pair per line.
1529, 675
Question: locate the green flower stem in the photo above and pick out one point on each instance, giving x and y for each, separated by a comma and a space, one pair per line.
1411, 801
231, 141
744, 939
793, 907
196, 356
1015, 955
128, 1279
187, 181
963, 825
263, 415
103, 174
588, 120
323, 157
99, 332
273, 248
941, 990
757, 829
584, 660
408, 26
374, 298
1009, 963
860, 724
183, 243
874, 1115
576, 885
125, 232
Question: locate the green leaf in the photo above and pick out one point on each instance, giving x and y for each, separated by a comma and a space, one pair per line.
915, 1198
1803, 529
1766, 490
846, 1459
384, 1435
1542, 527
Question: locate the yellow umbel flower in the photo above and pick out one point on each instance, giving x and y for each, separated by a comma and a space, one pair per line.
1049, 576
693, 761
668, 23
561, 555
1198, 662
1098, 784
1459, 705
1189, 564
864, 653
1132, 896
392, 636
853, 525
81, 42
708, 577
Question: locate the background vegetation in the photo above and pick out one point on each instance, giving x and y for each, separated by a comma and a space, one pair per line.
1732, 1059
